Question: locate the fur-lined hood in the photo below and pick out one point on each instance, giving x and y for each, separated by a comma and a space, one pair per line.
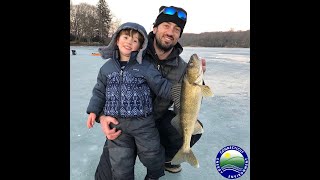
107, 52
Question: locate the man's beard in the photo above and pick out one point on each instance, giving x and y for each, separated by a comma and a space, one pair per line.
163, 47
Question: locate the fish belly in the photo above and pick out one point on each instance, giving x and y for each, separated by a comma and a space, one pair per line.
190, 107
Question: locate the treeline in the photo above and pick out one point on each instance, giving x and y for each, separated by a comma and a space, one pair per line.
217, 39
94, 25
91, 24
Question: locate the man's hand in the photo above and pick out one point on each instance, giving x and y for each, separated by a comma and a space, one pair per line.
203, 64
105, 122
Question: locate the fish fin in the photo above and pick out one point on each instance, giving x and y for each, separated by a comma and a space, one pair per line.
175, 122
175, 94
188, 157
206, 91
197, 128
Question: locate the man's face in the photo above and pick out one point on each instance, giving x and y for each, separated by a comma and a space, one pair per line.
167, 35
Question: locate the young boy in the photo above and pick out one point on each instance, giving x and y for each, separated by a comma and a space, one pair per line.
124, 90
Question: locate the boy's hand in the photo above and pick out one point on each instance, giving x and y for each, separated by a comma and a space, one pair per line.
91, 120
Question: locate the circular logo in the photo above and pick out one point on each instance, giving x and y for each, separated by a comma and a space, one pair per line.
232, 162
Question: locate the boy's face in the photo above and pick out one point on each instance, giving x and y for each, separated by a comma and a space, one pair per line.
127, 44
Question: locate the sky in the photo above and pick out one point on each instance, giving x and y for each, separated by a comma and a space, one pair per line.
203, 15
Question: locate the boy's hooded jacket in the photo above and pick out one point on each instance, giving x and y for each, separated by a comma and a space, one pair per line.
128, 92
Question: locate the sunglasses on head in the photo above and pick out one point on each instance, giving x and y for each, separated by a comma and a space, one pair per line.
171, 11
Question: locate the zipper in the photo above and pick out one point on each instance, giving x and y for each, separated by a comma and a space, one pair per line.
157, 61
159, 67
120, 84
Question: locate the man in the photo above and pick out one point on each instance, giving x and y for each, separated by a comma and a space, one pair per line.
164, 50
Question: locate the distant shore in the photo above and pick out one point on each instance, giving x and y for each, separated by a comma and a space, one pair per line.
97, 44
72, 43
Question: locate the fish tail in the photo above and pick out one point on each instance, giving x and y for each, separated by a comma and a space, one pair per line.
185, 156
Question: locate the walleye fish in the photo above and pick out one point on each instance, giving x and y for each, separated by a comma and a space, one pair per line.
187, 106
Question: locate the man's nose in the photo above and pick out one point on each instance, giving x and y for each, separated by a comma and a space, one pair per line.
170, 31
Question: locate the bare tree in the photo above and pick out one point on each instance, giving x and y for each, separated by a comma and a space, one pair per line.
72, 19
115, 23
83, 21
90, 23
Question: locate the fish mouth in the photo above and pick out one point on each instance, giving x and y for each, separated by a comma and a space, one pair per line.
195, 56
194, 61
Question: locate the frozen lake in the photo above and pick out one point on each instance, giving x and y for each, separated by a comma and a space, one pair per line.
226, 116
